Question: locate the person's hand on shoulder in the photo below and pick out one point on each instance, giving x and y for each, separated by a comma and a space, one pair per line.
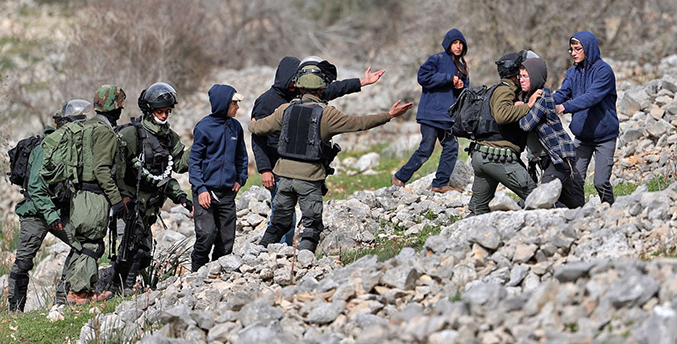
534, 97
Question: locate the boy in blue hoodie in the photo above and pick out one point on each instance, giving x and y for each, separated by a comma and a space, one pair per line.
217, 169
588, 92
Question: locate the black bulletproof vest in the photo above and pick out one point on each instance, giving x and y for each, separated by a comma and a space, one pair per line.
300, 136
489, 130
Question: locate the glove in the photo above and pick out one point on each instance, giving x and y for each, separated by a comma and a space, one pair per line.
188, 203
55, 225
119, 209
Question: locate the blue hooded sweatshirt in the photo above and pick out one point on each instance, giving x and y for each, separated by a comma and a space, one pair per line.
436, 76
588, 92
218, 157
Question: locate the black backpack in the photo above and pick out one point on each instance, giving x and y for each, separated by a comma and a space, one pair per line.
471, 110
18, 160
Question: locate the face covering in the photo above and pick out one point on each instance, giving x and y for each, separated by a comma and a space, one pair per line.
158, 121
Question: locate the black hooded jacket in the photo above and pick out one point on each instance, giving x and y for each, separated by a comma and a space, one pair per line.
265, 148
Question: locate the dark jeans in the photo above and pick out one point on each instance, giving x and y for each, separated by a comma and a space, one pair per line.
487, 176
430, 135
573, 195
214, 227
604, 162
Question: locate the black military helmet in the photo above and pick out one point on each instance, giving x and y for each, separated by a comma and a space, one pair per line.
509, 64
158, 95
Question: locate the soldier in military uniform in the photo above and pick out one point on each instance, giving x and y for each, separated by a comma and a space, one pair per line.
151, 151
96, 194
43, 209
305, 125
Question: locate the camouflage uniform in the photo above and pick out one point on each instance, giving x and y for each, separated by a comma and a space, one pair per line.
91, 203
37, 211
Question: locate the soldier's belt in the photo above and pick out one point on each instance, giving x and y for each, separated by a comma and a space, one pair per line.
496, 151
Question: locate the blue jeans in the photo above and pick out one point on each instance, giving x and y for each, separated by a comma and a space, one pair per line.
430, 135
287, 238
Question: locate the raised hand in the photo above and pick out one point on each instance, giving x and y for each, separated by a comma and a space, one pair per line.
370, 78
398, 110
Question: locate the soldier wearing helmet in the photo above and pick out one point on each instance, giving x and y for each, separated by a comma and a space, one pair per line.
96, 194
151, 151
43, 209
305, 125
495, 157
281, 92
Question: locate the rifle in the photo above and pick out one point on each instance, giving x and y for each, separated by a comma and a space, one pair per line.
132, 219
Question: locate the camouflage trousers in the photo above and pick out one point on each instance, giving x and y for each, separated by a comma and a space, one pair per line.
89, 223
32, 234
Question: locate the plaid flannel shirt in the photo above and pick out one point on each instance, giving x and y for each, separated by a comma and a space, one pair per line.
544, 119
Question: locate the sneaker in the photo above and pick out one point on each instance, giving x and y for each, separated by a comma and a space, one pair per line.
397, 182
444, 189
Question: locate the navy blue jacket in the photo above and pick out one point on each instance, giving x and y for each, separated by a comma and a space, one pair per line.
218, 157
436, 76
588, 92
265, 147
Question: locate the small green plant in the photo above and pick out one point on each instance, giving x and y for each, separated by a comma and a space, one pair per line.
456, 297
430, 215
389, 247
572, 327
167, 263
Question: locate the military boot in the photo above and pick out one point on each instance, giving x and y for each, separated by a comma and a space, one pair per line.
18, 289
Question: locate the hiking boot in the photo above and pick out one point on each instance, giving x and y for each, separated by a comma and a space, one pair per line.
397, 182
444, 189
83, 297
308, 244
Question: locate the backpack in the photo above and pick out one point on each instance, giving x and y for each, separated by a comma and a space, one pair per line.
471, 112
62, 159
18, 160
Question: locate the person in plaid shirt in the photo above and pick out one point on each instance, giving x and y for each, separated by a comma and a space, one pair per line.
551, 142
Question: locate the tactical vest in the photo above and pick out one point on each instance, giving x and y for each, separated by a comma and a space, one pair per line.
300, 136
157, 159
489, 130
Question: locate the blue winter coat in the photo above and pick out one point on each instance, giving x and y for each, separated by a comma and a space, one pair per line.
588, 92
218, 157
436, 76
265, 147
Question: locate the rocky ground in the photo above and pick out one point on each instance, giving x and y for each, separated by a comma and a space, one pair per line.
547, 275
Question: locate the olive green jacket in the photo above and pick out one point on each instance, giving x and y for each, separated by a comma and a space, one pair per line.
104, 149
39, 200
504, 111
333, 122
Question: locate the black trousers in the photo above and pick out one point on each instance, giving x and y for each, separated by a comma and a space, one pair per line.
573, 195
214, 228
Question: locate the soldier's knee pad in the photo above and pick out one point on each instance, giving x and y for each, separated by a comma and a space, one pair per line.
24, 265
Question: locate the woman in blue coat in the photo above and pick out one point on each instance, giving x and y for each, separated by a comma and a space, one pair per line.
443, 76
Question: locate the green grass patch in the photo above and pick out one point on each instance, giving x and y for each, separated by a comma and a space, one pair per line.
34, 327
342, 185
386, 248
